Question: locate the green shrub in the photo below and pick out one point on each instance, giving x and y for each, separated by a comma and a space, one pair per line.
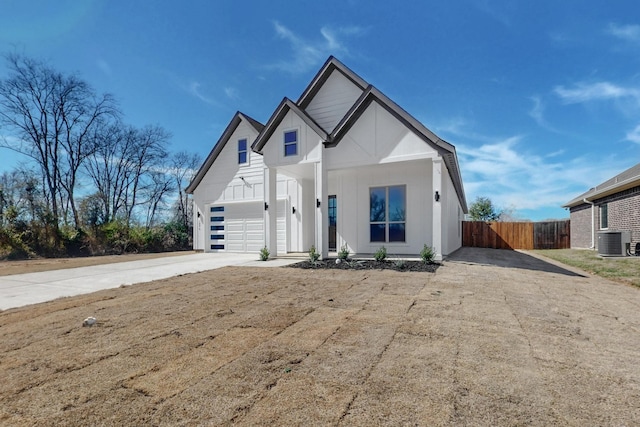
381, 254
427, 254
314, 256
343, 254
400, 263
264, 254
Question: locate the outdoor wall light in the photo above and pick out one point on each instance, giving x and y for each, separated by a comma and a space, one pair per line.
437, 196
293, 210
198, 214
266, 206
317, 203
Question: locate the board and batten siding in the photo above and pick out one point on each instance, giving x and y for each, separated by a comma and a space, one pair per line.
377, 137
333, 100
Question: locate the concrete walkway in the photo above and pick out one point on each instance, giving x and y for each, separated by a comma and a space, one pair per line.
31, 288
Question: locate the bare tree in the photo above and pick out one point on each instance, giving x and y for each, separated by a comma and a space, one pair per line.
125, 170
52, 118
184, 166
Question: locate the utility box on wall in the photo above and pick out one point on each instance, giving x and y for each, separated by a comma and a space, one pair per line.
614, 243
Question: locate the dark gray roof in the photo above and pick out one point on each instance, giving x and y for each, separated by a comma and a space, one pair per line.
285, 106
623, 181
369, 94
238, 117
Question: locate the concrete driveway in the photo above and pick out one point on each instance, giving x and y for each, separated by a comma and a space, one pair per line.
23, 289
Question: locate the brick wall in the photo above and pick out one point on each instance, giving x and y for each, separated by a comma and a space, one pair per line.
623, 213
581, 226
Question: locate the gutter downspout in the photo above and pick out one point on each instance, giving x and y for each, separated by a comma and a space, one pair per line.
593, 222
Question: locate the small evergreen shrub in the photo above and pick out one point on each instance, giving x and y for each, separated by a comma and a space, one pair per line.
314, 256
264, 254
427, 254
343, 253
381, 254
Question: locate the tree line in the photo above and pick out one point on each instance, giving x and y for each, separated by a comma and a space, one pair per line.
91, 183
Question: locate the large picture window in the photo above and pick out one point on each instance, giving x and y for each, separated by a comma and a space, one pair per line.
387, 213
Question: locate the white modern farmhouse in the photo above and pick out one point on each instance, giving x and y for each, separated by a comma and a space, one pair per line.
344, 165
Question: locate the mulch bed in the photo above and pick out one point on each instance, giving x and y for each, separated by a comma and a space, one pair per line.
352, 264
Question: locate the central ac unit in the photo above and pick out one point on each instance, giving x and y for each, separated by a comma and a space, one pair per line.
614, 243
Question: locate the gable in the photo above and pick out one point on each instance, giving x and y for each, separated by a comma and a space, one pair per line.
377, 137
332, 101
248, 126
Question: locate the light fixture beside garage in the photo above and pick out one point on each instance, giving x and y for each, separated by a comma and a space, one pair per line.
437, 196
266, 206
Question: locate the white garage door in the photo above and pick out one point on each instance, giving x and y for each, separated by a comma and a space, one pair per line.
239, 227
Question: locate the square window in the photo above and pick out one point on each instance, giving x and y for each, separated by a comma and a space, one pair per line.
396, 232
242, 151
291, 143
378, 233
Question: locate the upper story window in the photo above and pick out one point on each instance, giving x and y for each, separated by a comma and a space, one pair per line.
387, 214
291, 143
242, 151
604, 216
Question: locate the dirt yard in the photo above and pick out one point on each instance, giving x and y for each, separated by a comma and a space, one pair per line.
492, 338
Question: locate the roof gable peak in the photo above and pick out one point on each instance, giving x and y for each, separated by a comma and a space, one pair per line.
331, 64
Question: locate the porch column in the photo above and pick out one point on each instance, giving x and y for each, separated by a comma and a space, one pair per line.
271, 211
322, 211
437, 207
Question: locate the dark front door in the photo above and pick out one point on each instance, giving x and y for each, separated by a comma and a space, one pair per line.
333, 217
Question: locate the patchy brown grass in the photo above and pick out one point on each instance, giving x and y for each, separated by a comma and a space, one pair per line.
620, 269
471, 344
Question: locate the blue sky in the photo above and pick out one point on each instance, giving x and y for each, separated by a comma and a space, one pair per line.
541, 99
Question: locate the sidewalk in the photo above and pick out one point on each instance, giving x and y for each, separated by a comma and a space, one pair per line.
23, 289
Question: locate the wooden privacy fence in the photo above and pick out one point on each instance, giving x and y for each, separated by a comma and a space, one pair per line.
516, 235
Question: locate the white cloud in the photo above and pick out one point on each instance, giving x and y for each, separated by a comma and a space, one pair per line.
584, 92
194, 89
510, 176
629, 33
104, 67
309, 54
634, 135
232, 93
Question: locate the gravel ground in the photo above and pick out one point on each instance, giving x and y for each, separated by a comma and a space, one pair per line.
491, 338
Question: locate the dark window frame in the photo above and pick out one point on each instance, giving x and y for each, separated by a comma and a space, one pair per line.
381, 223
290, 146
243, 153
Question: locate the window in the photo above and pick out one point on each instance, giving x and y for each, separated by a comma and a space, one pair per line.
242, 151
217, 247
291, 143
217, 228
217, 218
217, 237
387, 213
604, 216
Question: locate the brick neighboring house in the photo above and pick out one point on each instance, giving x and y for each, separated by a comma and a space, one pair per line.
612, 205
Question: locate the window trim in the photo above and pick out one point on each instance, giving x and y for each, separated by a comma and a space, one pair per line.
604, 208
245, 151
387, 222
286, 144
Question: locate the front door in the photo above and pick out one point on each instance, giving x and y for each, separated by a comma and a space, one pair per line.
333, 217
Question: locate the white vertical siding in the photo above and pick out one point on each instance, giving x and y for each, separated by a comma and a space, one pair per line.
351, 188
333, 100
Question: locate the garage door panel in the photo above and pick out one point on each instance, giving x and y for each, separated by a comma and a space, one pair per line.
243, 227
